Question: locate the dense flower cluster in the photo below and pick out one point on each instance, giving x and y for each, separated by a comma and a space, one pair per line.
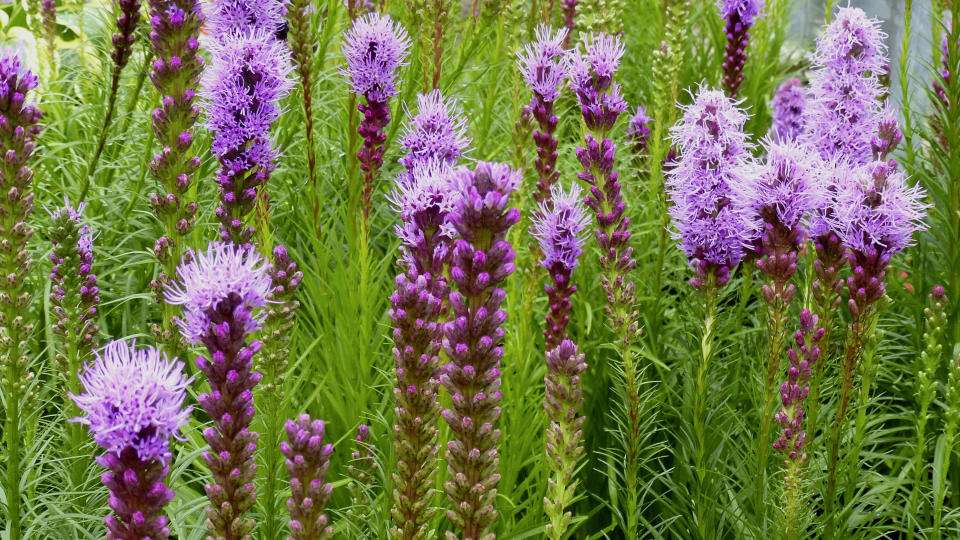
228, 16
789, 104
739, 16
712, 148
133, 404
541, 64
638, 131
482, 260
436, 133
308, 459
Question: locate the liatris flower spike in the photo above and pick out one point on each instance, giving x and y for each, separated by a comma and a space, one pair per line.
242, 89
712, 149
436, 133
638, 132
133, 404
223, 292
844, 87
362, 473
308, 459
559, 227
226, 17
425, 198
739, 16
789, 104
793, 392
482, 260
19, 126
541, 64
176, 69
375, 48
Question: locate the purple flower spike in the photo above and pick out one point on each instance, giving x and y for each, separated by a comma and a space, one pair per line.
242, 90
132, 404
541, 64
713, 231
638, 131
436, 133
425, 198
591, 78
558, 227
789, 103
482, 260
845, 88
375, 48
223, 291
308, 459
228, 16
739, 16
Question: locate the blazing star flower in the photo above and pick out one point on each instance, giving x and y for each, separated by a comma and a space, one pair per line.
739, 16
782, 188
591, 78
845, 87
228, 16
247, 79
425, 197
876, 209
133, 399
308, 459
541, 63
713, 149
789, 103
436, 132
375, 47
746, 11
222, 273
638, 130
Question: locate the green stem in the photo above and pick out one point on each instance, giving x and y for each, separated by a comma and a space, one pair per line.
700, 403
12, 430
867, 374
776, 332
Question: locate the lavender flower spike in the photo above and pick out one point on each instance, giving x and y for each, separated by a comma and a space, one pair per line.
845, 87
229, 16
375, 48
436, 133
133, 404
638, 132
558, 228
739, 16
789, 103
793, 393
482, 260
541, 64
223, 291
307, 462
242, 90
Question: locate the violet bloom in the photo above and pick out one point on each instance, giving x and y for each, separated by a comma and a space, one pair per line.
482, 260
638, 131
175, 71
845, 89
75, 295
226, 17
425, 198
375, 47
789, 103
558, 228
133, 404
223, 292
242, 89
793, 392
712, 148
436, 133
739, 16
541, 64
308, 459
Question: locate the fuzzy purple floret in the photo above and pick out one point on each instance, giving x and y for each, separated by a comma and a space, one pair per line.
222, 274
228, 16
559, 228
133, 398
788, 105
712, 151
590, 74
375, 48
747, 11
436, 132
425, 197
845, 89
541, 63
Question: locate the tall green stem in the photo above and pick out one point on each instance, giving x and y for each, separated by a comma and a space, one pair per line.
700, 402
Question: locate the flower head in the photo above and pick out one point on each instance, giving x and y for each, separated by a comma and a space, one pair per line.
133, 398
541, 63
782, 188
747, 10
437, 131
247, 78
375, 47
638, 129
559, 226
425, 198
223, 275
788, 105
228, 16
852, 43
591, 78
875, 209
712, 151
